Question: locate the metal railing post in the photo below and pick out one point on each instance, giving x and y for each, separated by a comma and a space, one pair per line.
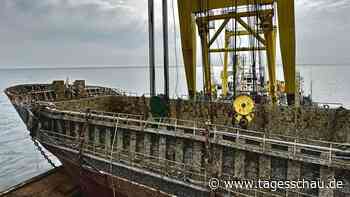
330, 154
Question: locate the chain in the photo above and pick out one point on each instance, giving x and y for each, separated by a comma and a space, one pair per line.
36, 143
42, 152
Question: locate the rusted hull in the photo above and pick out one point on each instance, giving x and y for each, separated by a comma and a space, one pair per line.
93, 183
54, 182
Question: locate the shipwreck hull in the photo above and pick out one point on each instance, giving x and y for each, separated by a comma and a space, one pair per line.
122, 179
112, 145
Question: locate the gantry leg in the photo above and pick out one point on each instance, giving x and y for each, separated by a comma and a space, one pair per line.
270, 37
203, 32
287, 41
188, 41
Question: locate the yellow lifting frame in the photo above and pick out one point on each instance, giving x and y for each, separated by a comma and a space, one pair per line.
286, 31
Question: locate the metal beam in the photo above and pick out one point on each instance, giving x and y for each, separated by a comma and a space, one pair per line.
237, 49
270, 36
218, 31
249, 29
151, 47
234, 14
188, 42
286, 20
241, 33
199, 5
224, 72
203, 32
166, 48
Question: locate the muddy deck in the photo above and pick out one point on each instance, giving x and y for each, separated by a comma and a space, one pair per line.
54, 183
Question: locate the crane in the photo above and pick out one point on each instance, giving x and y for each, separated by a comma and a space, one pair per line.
195, 15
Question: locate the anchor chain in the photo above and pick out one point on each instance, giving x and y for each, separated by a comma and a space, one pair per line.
42, 152
33, 119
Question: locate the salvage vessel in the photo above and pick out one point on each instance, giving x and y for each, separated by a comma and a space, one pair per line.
117, 144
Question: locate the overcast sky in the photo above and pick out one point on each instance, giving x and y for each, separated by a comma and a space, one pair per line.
114, 32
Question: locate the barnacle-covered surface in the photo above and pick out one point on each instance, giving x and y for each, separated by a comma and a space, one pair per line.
304, 122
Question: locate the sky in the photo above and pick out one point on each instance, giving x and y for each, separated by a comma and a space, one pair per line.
61, 33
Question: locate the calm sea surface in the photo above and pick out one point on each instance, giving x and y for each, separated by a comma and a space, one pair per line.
19, 159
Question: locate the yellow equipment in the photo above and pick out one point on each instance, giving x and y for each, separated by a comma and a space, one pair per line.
244, 108
192, 14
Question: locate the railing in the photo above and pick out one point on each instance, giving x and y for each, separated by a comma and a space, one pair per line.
42, 93
132, 158
187, 173
315, 151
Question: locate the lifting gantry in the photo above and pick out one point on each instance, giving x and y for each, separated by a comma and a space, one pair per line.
191, 17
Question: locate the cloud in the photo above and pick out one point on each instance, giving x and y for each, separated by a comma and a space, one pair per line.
103, 29
322, 4
322, 28
114, 32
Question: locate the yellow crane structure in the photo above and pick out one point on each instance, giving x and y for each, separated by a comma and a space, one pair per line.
193, 15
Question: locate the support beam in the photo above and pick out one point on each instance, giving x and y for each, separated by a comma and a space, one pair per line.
60, 128
197, 155
197, 5
188, 42
225, 72
218, 159
108, 138
270, 37
264, 167
234, 14
166, 48
249, 29
241, 33
217, 33
179, 152
147, 143
96, 135
237, 49
162, 149
286, 20
76, 129
67, 127
151, 47
239, 162
203, 32
132, 147
120, 142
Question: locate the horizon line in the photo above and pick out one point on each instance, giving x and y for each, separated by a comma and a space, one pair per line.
140, 66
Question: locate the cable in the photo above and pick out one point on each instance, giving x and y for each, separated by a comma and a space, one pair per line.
175, 51
111, 161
